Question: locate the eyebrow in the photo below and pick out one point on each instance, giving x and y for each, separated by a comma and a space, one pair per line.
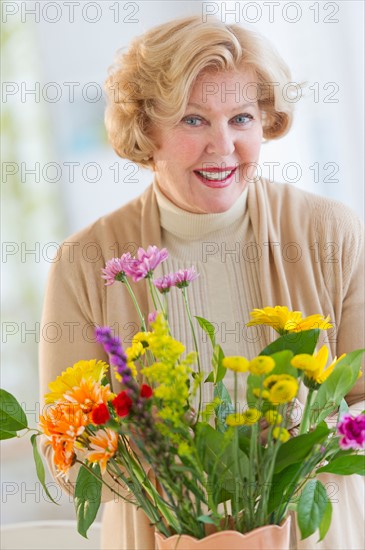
243, 106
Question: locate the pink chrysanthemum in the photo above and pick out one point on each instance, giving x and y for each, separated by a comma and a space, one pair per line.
352, 430
152, 317
147, 261
117, 268
163, 284
184, 277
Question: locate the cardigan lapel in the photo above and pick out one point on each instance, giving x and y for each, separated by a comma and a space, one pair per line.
150, 228
263, 211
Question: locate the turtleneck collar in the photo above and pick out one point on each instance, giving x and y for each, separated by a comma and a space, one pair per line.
185, 224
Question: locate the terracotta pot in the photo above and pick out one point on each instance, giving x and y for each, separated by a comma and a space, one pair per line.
269, 537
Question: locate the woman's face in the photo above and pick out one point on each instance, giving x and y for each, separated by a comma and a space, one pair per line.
203, 164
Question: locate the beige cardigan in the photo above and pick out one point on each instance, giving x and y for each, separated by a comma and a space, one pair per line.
311, 258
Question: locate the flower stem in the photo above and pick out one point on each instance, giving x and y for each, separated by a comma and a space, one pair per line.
152, 292
184, 293
305, 424
129, 288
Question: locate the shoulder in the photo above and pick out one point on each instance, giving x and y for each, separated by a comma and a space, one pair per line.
115, 232
82, 254
305, 208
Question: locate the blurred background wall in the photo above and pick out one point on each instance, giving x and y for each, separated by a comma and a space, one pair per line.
59, 173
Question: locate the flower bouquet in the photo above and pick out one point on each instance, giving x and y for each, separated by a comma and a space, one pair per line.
218, 468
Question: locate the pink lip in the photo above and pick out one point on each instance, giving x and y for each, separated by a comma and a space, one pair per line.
217, 184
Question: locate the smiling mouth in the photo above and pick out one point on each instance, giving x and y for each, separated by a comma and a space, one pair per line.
215, 177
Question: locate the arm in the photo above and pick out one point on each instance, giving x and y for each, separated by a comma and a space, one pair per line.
340, 233
69, 313
351, 329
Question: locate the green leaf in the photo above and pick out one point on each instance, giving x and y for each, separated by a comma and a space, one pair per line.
211, 446
208, 328
326, 521
205, 519
297, 342
346, 466
282, 363
283, 486
253, 381
298, 448
87, 497
343, 409
225, 408
216, 451
218, 369
39, 467
12, 416
244, 440
5, 434
210, 377
337, 385
218, 372
311, 507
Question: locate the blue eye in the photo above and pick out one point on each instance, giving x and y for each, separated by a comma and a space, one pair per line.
244, 118
191, 120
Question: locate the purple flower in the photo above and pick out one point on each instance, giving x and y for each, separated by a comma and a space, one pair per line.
118, 358
352, 430
117, 268
147, 261
163, 284
152, 317
184, 276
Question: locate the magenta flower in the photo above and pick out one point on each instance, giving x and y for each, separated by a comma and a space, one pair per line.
163, 284
183, 277
147, 261
117, 269
352, 430
152, 317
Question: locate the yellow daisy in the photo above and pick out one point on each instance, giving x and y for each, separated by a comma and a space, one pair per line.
262, 364
314, 366
236, 363
273, 417
283, 391
283, 320
247, 418
264, 394
92, 370
281, 433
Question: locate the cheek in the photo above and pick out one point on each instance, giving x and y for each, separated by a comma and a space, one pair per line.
179, 151
250, 149
187, 149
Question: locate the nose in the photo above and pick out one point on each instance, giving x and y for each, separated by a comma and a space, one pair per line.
221, 141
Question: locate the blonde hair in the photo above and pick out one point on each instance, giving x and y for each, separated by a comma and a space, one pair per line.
149, 85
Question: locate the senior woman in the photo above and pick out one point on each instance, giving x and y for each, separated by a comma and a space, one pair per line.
193, 102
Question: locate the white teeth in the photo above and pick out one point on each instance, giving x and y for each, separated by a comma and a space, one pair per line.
216, 176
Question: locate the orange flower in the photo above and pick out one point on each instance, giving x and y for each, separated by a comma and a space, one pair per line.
62, 424
89, 394
63, 420
72, 376
63, 453
105, 445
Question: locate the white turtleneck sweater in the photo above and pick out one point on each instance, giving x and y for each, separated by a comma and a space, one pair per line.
222, 250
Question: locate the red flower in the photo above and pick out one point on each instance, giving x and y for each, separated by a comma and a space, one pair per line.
122, 403
100, 414
146, 391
